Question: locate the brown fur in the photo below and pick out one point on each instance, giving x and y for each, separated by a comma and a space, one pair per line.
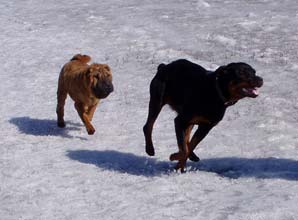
86, 85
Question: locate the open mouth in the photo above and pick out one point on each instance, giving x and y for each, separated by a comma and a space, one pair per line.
251, 92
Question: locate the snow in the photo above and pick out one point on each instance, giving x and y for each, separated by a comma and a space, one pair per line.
249, 162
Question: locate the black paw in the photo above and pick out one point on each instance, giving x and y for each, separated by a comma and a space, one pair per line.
193, 157
61, 124
150, 150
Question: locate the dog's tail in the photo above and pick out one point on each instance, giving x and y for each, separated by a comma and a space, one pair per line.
160, 67
81, 58
161, 74
158, 84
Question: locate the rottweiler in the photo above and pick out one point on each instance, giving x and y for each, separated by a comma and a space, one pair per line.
200, 97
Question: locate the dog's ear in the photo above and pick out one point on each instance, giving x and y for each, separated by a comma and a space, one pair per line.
161, 66
106, 67
222, 70
92, 68
89, 72
227, 71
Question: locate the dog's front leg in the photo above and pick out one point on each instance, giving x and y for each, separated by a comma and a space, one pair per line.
83, 113
181, 133
198, 136
91, 111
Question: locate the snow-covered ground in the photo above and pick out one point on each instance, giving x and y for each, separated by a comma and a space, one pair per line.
249, 162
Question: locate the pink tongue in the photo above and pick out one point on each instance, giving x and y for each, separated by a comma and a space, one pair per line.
254, 91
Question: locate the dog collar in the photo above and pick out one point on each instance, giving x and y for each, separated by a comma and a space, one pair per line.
221, 95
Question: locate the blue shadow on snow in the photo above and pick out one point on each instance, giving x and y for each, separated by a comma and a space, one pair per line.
43, 127
261, 168
229, 167
122, 162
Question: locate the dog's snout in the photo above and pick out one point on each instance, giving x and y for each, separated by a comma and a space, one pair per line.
260, 81
109, 87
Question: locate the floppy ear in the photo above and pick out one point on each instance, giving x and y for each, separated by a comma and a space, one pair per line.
89, 71
106, 67
221, 70
89, 74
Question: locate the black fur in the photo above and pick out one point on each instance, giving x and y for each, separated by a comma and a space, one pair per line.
199, 97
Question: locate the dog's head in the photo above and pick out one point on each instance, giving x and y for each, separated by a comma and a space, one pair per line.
100, 77
238, 80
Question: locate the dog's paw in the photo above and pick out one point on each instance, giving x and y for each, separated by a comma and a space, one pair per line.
193, 157
91, 131
174, 156
150, 150
61, 124
181, 166
177, 156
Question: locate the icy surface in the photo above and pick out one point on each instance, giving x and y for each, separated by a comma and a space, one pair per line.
249, 162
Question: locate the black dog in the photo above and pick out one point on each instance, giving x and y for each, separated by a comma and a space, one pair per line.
200, 97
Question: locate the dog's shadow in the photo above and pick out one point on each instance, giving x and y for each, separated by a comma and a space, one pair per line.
260, 168
44, 127
122, 162
228, 167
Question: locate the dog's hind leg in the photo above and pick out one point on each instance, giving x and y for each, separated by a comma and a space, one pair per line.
157, 89
61, 96
198, 136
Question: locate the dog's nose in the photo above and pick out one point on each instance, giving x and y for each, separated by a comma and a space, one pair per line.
260, 81
109, 88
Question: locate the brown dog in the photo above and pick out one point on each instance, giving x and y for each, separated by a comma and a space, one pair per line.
86, 85
200, 97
